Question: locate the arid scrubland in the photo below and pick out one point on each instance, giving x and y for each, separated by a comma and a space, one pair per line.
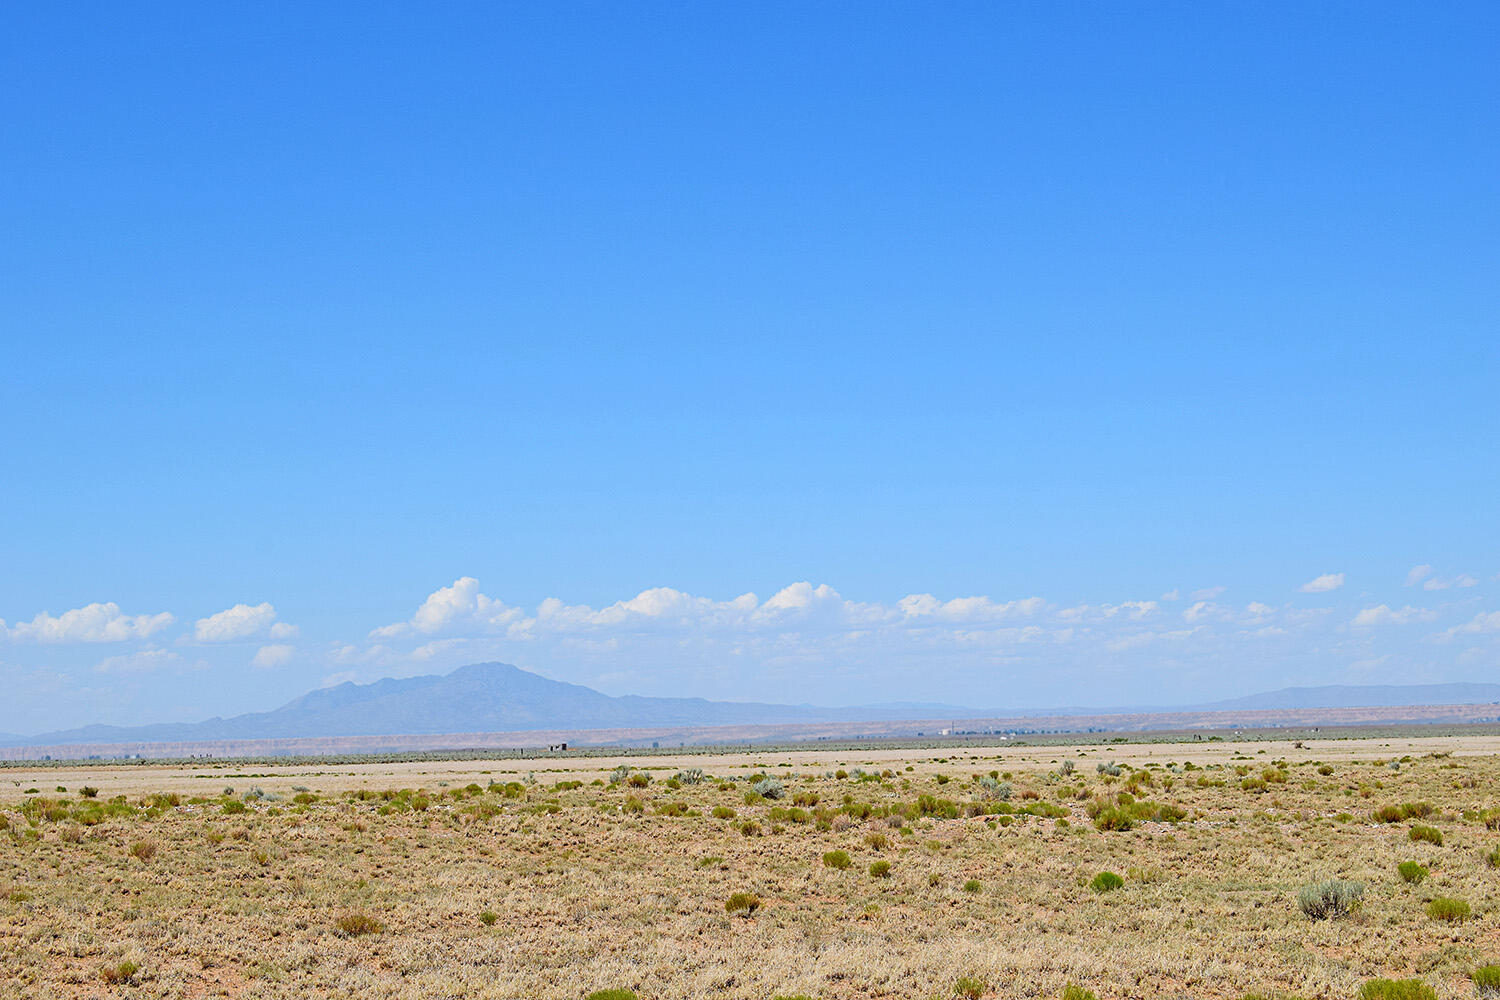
1191, 874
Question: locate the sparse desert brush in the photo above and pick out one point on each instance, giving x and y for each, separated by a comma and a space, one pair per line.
143, 850
232, 807
488, 918
742, 902
1449, 910
89, 792
1412, 872
1486, 981
1330, 899
881, 869
691, 776
768, 788
1113, 818
723, 812
1430, 834
877, 841
640, 779
973, 885
1396, 989
1493, 858
1106, 882
358, 924
1071, 992
612, 995
838, 859
120, 974
750, 828
969, 988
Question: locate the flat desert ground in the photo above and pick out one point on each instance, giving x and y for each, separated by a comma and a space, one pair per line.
973, 871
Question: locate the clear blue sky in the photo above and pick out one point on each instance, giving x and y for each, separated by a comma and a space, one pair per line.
1089, 303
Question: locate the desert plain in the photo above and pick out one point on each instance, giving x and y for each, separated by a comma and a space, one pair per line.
1197, 869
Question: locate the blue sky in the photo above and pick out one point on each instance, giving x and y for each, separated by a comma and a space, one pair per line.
1059, 306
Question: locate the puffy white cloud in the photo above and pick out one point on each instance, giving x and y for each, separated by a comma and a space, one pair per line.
1323, 584
461, 603
90, 623
283, 630
243, 621
273, 655
1207, 593
1417, 574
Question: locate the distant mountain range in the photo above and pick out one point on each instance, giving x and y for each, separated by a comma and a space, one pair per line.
498, 697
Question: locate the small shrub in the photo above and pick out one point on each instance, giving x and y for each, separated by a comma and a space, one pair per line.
742, 902
723, 812
1430, 834
1106, 882
1493, 858
881, 869
116, 975
358, 924
488, 918
1071, 992
1330, 899
1412, 872
768, 788
612, 995
1396, 989
1449, 910
877, 841
973, 885
89, 792
1113, 818
1486, 981
639, 779
969, 988
143, 850
838, 859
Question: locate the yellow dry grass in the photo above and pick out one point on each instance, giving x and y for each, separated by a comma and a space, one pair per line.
380, 894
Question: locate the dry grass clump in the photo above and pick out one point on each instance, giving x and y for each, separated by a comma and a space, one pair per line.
1106, 882
1486, 980
1330, 899
1449, 910
742, 902
1430, 834
120, 974
358, 925
970, 988
1396, 989
1411, 871
143, 850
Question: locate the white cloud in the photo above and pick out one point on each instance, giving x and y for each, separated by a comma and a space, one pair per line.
1383, 614
1417, 574
1484, 623
1172, 595
1438, 583
140, 662
283, 630
90, 623
461, 603
243, 621
272, 655
1206, 593
1323, 584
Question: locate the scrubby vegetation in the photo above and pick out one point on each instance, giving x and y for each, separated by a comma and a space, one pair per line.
921, 878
